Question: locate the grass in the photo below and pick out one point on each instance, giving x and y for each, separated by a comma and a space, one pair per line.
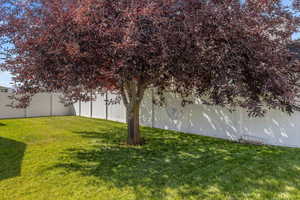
70, 158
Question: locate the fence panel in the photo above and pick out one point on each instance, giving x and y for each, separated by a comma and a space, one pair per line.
8, 112
146, 113
196, 118
116, 112
58, 108
42, 104
85, 109
99, 107
276, 128
39, 106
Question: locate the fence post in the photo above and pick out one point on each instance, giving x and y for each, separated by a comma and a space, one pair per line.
25, 112
106, 105
51, 104
79, 105
152, 108
91, 108
241, 123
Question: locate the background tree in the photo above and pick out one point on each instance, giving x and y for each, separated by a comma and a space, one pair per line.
226, 53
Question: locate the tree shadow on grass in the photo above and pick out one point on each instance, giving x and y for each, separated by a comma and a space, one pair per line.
1, 124
186, 166
11, 156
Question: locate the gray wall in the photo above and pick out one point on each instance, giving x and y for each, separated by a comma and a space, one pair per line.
276, 128
42, 104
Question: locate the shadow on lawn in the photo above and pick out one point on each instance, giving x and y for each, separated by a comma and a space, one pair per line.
1, 124
186, 166
11, 156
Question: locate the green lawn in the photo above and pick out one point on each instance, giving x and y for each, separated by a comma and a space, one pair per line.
69, 158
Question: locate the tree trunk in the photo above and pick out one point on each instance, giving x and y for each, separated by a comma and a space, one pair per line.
132, 94
133, 113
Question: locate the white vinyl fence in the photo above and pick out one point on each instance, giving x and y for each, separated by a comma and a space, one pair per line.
276, 128
43, 104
